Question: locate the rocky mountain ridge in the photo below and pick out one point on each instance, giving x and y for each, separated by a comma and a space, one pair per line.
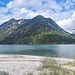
38, 30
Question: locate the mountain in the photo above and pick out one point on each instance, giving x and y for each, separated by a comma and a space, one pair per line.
38, 30
9, 27
73, 34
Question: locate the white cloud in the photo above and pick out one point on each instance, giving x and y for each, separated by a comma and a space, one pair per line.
68, 24
16, 3
68, 4
26, 8
3, 10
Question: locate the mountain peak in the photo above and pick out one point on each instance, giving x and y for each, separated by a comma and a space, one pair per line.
39, 16
12, 20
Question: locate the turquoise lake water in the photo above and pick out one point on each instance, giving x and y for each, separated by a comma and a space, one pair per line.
64, 51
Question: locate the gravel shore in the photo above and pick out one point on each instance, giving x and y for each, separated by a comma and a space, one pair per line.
24, 64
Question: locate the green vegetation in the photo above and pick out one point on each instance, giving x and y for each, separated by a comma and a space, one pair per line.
3, 73
50, 66
41, 37
30, 73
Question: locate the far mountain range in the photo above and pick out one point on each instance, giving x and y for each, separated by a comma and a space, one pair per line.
38, 30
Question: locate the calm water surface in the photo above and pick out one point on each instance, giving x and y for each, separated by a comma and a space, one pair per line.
65, 51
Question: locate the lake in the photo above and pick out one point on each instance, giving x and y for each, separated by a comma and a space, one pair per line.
64, 51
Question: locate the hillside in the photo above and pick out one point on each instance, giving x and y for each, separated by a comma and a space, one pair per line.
38, 30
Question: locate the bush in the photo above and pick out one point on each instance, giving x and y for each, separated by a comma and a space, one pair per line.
3, 73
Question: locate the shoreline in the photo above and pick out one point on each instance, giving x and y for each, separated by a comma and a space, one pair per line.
20, 64
31, 56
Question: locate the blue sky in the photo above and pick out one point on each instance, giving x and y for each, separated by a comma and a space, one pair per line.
3, 3
61, 11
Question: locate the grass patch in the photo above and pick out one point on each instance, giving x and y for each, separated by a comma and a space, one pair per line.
30, 73
50, 66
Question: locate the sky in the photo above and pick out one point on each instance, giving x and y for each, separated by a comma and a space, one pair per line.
61, 11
